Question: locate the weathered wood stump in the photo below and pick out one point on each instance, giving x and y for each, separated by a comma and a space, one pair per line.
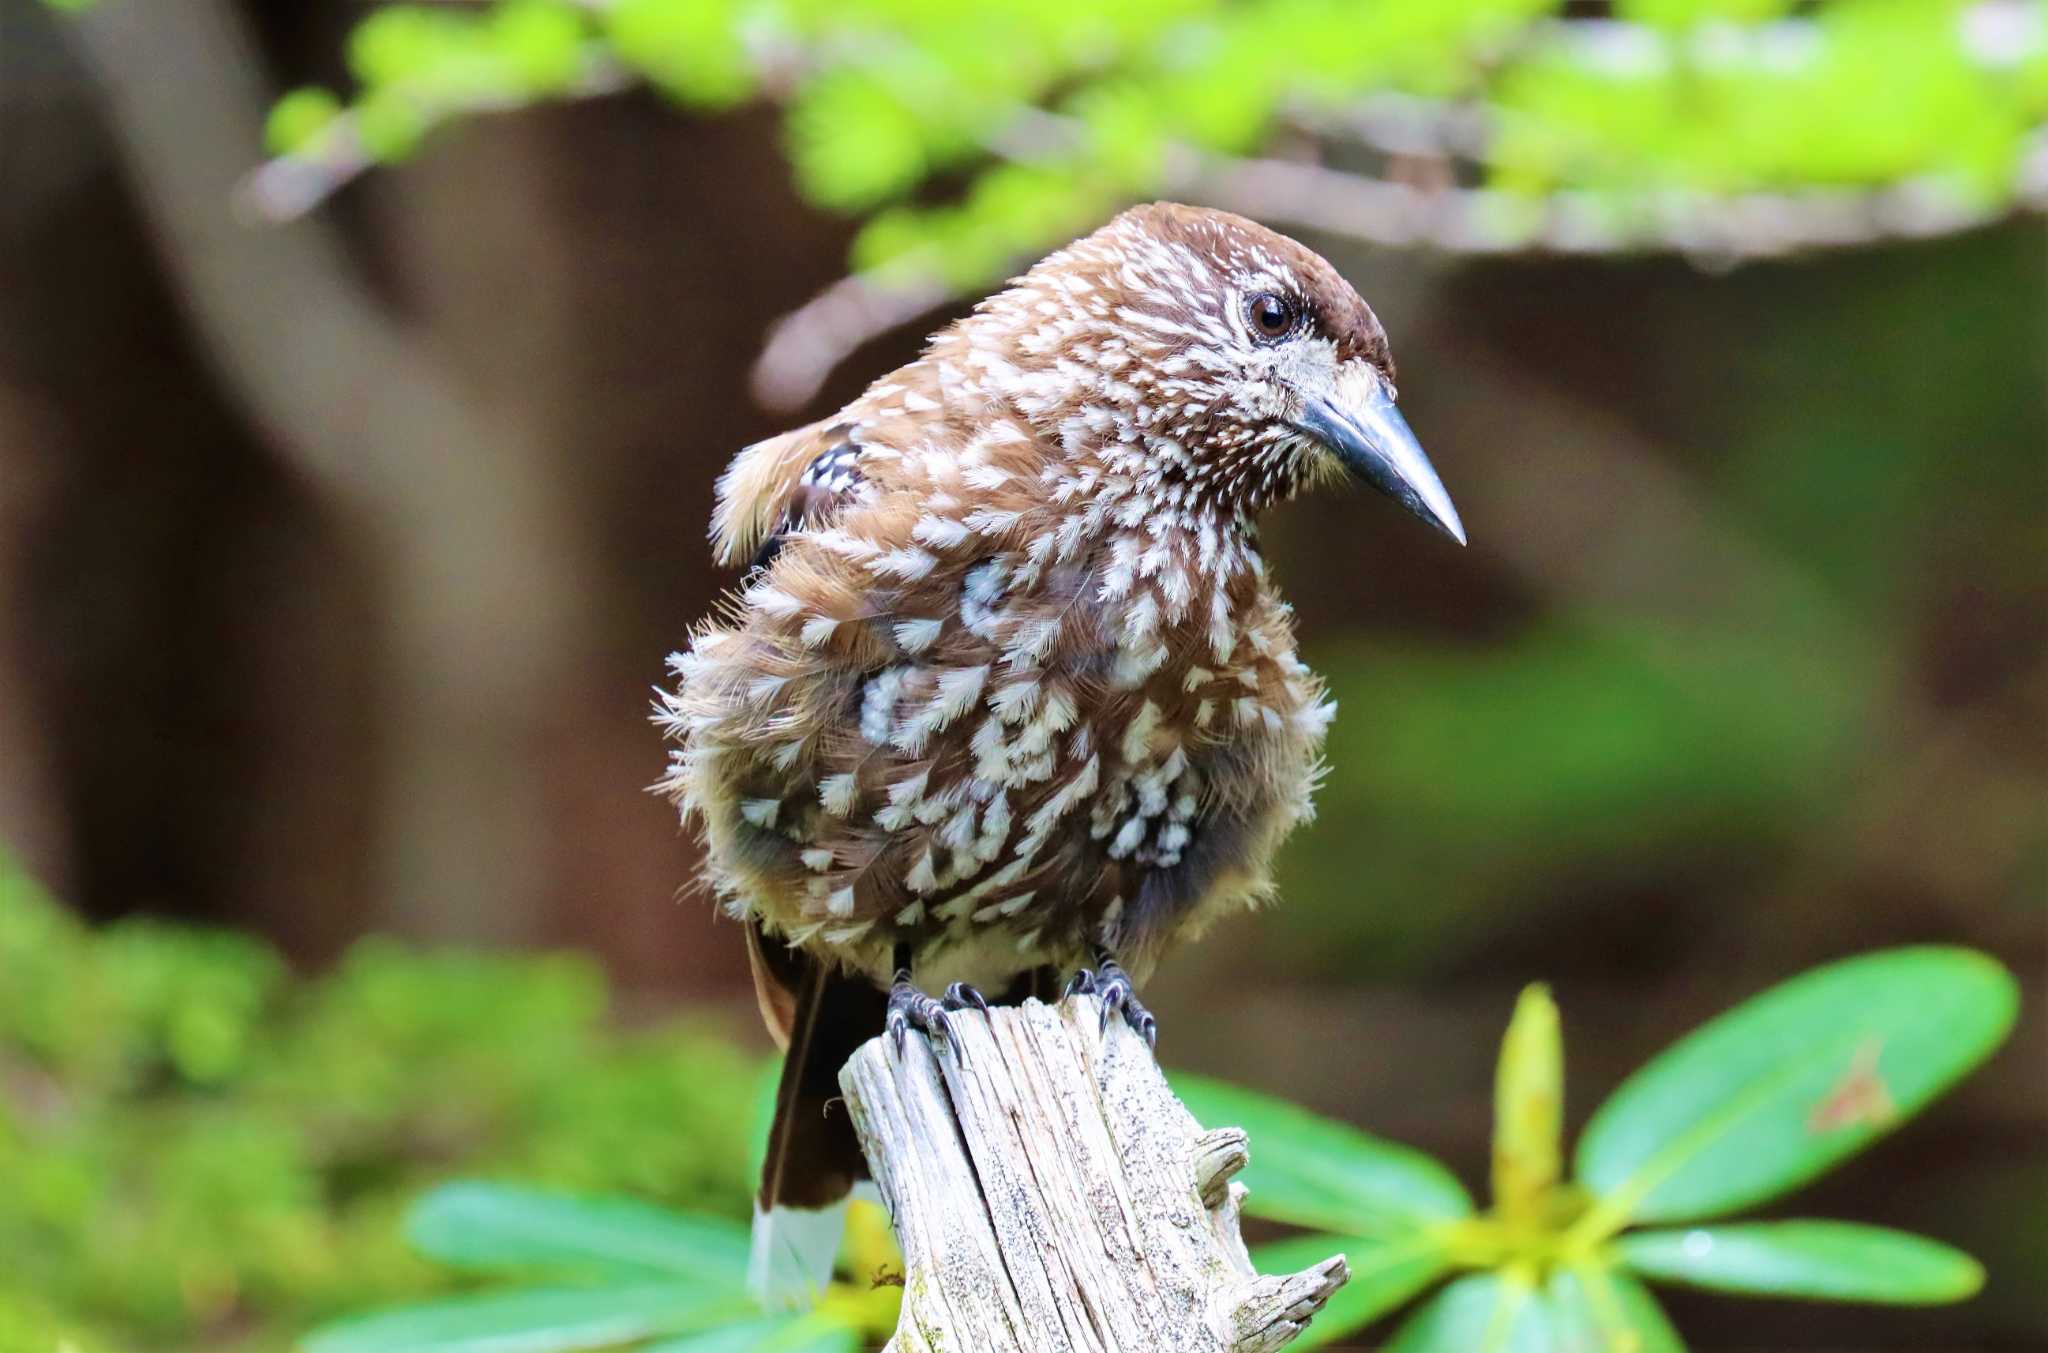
1050, 1194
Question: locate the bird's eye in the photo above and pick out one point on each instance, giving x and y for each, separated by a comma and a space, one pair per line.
1271, 316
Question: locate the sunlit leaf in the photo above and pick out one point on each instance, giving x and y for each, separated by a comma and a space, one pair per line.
1772, 1093
1528, 1107
545, 1320
542, 42
481, 1225
1313, 1171
1482, 1313
779, 1334
297, 118
1828, 1260
401, 42
692, 52
1384, 1275
391, 125
1598, 1309
854, 141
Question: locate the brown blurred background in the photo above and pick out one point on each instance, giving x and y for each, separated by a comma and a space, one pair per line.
336, 564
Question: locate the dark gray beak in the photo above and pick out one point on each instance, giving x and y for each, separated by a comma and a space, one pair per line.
1372, 439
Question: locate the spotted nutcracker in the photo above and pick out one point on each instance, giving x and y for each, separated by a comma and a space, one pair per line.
1007, 689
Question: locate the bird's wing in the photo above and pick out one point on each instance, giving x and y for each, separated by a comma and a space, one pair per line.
779, 483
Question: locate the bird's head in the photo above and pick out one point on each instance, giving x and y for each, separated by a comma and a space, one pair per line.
1218, 355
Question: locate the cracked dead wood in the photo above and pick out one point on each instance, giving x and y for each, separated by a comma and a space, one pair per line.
1050, 1194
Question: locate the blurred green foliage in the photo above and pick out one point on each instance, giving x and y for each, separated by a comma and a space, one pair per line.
591, 1273
1746, 1108
199, 1150
1743, 1110
1594, 739
1040, 116
1867, 434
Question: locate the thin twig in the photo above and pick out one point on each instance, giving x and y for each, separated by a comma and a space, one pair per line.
285, 188
1717, 230
806, 345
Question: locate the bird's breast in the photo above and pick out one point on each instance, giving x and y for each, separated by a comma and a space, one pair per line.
990, 715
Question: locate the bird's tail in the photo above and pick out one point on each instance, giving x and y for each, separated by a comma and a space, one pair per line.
813, 1162
794, 1247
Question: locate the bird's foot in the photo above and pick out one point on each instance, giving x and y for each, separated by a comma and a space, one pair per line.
910, 1008
960, 996
1110, 984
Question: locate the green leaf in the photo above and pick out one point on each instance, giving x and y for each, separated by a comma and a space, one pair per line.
487, 1226
543, 1320
297, 118
400, 42
542, 40
1384, 1274
815, 1333
1597, 1308
1774, 1092
1315, 1172
391, 126
1482, 1313
854, 142
690, 51
1528, 1108
1825, 1260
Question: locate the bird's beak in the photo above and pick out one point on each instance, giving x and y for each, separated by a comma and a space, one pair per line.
1372, 439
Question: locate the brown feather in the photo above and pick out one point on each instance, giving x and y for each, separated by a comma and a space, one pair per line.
1019, 685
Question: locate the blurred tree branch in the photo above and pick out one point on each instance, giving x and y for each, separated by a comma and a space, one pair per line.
459, 530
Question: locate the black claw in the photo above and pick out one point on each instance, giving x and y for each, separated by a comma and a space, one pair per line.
960, 996
1112, 985
910, 1009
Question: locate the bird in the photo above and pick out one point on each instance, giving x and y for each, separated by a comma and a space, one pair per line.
1006, 691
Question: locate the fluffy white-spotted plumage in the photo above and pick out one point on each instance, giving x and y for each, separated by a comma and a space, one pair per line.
1010, 681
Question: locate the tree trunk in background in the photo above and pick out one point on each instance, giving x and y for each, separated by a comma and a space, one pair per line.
497, 458
448, 499
631, 405
29, 800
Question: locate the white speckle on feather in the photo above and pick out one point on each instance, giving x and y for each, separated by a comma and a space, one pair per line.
941, 532
772, 601
909, 563
988, 521
915, 636
1015, 701
1138, 733
878, 704
838, 793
